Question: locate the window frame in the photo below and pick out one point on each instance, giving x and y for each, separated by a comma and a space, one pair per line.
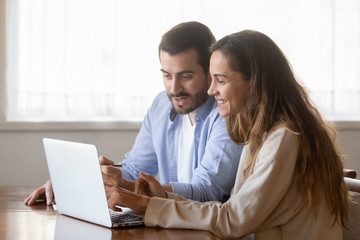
6, 126
2, 60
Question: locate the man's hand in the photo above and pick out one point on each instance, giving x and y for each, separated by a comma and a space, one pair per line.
44, 192
147, 185
112, 176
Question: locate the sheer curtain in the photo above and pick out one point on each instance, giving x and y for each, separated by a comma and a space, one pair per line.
97, 59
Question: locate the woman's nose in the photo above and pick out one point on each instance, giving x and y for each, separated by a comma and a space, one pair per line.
211, 91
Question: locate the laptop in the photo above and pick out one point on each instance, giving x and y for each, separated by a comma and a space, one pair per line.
78, 186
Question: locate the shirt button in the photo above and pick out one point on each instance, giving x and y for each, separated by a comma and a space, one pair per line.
197, 139
197, 118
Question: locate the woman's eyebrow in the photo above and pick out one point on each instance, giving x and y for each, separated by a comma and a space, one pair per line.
219, 75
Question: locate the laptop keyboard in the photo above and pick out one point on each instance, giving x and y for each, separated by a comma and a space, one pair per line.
117, 217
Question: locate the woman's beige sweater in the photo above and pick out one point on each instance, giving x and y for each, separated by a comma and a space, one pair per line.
268, 203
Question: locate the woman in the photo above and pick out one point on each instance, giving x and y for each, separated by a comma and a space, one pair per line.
289, 182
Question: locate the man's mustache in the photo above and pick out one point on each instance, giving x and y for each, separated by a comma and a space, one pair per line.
182, 94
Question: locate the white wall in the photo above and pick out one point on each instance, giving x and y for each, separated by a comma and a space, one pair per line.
23, 160
22, 156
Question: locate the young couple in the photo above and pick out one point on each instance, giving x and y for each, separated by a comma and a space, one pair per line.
289, 181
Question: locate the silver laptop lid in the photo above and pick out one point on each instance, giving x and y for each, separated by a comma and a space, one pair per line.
77, 181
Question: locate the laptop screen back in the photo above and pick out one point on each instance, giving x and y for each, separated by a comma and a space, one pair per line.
77, 181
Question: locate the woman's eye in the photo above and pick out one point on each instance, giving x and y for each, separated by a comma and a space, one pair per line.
220, 81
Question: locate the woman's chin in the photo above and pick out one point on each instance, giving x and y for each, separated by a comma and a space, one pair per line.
224, 113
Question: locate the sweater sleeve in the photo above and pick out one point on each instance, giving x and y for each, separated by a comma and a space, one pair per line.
249, 207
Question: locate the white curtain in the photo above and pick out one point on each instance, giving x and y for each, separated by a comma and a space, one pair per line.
97, 59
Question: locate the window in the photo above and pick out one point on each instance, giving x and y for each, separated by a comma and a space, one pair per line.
97, 59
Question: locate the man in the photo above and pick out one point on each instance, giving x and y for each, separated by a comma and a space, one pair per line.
182, 138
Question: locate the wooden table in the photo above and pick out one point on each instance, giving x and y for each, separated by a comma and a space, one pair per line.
18, 221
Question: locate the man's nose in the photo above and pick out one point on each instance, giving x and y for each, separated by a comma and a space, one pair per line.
176, 86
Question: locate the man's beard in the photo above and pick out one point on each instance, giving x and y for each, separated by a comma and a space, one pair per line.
196, 101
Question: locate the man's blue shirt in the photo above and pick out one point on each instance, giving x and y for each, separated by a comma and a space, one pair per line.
155, 151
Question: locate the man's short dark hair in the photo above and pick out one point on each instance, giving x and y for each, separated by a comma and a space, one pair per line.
189, 35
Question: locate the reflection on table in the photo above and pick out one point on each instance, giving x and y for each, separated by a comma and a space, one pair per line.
18, 221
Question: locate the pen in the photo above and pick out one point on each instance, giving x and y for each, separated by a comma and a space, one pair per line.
117, 165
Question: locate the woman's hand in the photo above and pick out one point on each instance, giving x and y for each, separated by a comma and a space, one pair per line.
117, 196
147, 185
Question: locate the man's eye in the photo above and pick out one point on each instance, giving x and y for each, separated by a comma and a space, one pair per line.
167, 76
187, 76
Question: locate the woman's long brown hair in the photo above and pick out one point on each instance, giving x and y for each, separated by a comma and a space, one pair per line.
275, 97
